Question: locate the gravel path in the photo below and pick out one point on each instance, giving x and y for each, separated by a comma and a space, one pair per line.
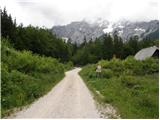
70, 98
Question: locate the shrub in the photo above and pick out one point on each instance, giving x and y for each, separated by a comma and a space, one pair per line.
136, 67
26, 77
129, 81
107, 73
92, 74
68, 65
150, 65
114, 65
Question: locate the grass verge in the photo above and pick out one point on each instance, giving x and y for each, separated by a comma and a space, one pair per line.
130, 86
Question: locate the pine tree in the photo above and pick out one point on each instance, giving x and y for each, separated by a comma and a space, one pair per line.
133, 43
8, 26
118, 46
107, 47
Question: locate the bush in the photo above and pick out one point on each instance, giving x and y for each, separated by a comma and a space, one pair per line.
68, 65
132, 66
26, 76
107, 73
151, 65
129, 81
136, 67
115, 65
92, 74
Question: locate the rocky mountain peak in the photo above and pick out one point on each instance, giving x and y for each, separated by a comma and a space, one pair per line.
79, 30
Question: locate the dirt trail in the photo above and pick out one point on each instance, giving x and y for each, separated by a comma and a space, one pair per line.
68, 99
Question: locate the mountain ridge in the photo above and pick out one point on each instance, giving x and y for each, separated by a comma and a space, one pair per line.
77, 31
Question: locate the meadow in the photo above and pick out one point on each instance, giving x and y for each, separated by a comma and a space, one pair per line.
129, 85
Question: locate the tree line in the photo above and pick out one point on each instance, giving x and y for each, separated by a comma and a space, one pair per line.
38, 40
108, 47
43, 42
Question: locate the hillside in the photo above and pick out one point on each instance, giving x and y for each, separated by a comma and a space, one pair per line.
26, 77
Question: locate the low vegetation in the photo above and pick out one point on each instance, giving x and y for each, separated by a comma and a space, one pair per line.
129, 85
26, 76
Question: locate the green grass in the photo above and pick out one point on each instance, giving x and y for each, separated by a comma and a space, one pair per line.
130, 86
26, 77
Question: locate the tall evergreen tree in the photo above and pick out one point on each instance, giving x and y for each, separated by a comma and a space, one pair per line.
8, 26
107, 47
133, 43
118, 46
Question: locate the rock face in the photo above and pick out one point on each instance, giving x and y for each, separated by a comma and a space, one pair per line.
77, 31
127, 29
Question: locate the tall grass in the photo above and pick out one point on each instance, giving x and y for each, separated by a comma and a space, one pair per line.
129, 85
26, 77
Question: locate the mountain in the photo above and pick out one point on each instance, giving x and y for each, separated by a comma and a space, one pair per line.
77, 31
126, 29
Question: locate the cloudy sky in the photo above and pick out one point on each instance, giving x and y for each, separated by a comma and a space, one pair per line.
59, 12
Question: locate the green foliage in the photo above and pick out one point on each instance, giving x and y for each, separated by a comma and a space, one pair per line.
38, 40
114, 65
118, 46
68, 65
129, 85
107, 73
137, 67
46, 43
107, 47
8, 26
26, 76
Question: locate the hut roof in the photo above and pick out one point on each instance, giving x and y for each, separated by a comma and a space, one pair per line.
145, 53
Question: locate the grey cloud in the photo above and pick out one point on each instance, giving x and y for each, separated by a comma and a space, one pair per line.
55, 12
